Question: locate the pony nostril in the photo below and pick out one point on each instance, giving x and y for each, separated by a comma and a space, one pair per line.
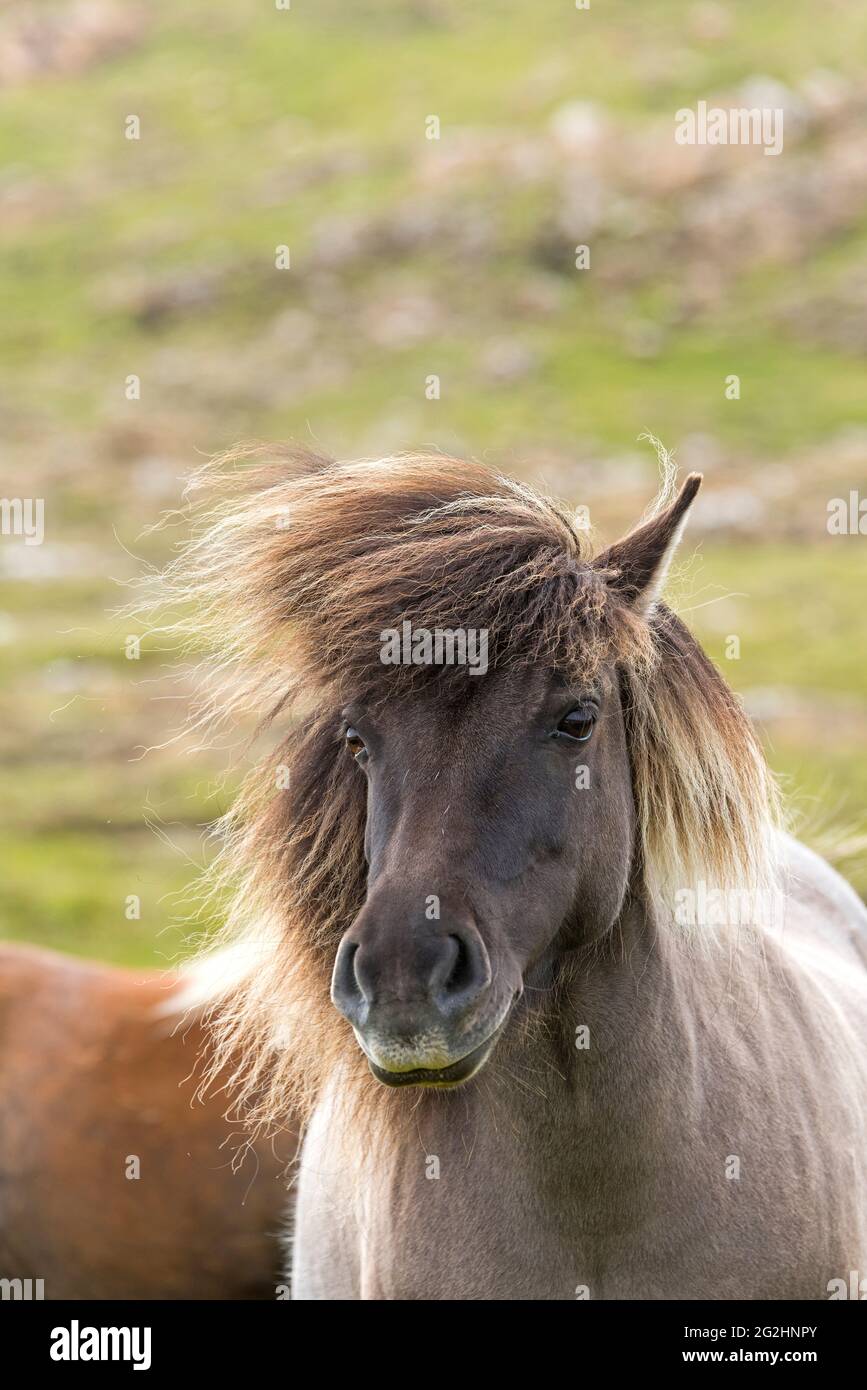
465, 974
352, 973
388, 974
460, 974
347, 991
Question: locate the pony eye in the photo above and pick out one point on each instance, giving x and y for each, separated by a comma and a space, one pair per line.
354, 741
577, 724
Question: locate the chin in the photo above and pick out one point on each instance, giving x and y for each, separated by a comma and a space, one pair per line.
443, 1077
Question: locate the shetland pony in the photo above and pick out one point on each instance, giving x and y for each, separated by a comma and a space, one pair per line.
570, 1014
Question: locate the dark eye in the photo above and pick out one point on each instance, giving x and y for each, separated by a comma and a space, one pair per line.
354, 741
577, 724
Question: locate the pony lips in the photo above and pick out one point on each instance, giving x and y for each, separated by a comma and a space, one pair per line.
447, 1076
451, 1074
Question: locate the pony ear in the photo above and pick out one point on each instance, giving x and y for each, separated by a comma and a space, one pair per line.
639, 562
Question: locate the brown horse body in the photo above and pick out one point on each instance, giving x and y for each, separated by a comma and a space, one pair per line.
96, 1073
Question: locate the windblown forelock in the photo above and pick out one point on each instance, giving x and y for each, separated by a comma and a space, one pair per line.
295, 567
314, 560
365, 549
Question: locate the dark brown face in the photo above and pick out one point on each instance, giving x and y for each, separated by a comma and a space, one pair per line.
499, 832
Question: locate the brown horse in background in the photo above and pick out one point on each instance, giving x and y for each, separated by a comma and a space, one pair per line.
96, 1070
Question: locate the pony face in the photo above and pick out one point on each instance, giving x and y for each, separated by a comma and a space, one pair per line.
500, 830
424, 843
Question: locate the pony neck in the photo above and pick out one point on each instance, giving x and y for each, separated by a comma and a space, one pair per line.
608, 1016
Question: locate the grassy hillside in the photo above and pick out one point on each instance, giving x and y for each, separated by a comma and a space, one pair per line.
413, 258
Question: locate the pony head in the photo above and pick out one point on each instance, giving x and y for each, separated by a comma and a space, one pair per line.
494, 742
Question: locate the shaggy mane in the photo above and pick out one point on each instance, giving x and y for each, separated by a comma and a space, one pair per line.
294, 567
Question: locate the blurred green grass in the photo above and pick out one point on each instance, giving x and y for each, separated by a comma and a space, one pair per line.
263, 127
